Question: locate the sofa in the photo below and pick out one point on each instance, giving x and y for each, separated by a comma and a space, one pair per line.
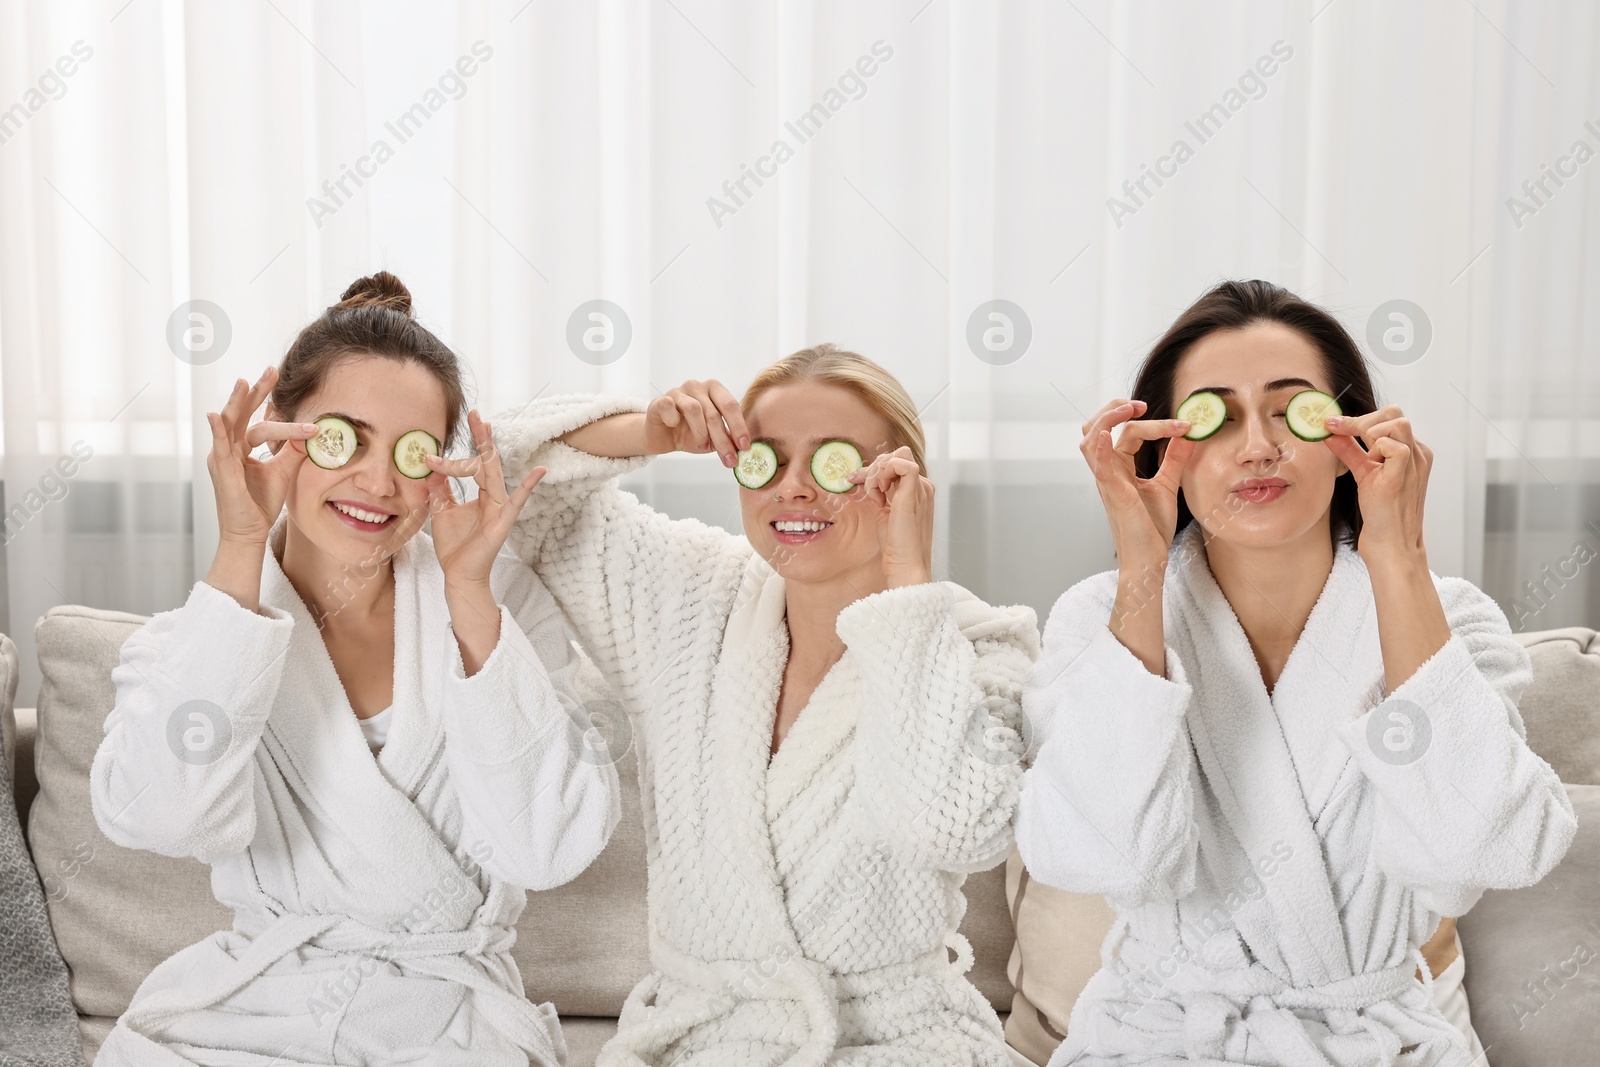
116, 913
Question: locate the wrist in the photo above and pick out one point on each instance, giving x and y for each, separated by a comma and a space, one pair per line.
899, 577
1391, 561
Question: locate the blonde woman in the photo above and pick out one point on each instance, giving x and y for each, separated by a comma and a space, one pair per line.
828, 738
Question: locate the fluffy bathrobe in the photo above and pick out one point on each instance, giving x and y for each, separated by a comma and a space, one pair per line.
1275, 860
374, 898
802, 911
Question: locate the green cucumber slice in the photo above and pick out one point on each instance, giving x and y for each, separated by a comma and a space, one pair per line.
757, 465
411, 450
832, 464
1306, 412
334, 444
1205, 412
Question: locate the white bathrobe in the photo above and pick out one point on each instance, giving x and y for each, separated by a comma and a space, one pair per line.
374, 897
801, 912
1275, 861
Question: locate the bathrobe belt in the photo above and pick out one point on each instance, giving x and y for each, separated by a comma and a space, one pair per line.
781, 976
1210, 1000
444, 954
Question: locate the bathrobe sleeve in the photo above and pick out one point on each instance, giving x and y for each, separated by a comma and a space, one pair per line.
628, 578
175, 773
531, 787
1107, 806
1474, 808
938, 743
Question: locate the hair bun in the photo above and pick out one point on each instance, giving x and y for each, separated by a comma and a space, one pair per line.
377, 290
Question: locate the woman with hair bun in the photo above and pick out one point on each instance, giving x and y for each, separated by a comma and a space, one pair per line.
828, 739
370, 733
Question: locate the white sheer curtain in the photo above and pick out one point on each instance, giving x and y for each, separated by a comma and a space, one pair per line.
513, 161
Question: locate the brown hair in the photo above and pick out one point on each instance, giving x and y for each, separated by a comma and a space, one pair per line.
372, 318
1234, 305
877, 388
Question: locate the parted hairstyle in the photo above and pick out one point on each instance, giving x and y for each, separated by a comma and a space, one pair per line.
876, 387
372, 319
1234, 305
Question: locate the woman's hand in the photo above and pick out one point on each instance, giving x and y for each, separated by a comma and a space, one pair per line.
1391, 476
1144, 516
467, 536
250, 492
894, 482
696, 417
1143, 511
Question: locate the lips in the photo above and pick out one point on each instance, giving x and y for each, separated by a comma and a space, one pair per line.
1260, 490
360, 518
798, 529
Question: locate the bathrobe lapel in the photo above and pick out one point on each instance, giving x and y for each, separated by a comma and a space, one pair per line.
743, 710
1241, 749
360, 817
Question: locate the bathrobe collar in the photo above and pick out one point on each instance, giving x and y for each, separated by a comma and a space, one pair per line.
314, 733
1245, 758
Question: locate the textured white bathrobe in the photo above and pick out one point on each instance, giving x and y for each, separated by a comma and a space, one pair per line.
798, 911
374, 898
1273, 871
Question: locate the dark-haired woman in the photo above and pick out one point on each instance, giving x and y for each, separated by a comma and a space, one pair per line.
368, 732
1272, 738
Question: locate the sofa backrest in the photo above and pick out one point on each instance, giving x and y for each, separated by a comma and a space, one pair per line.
117, 913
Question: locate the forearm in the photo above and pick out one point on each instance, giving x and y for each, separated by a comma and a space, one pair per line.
475, 619
619, 436
1136, 615
1411, 622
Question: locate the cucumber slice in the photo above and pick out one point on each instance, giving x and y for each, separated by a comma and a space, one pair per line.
334, 444
833, 462
410, 452
1306, 412
757, 465
1205, 412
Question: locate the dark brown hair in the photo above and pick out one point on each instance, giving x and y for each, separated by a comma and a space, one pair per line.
1234, 305
372, 318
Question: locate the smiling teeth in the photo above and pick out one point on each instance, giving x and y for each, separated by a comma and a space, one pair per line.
801, 527
364, 516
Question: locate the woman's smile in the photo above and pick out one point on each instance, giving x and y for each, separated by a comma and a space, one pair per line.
796, 528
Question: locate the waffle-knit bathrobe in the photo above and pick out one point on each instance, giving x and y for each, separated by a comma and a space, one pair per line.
802, 911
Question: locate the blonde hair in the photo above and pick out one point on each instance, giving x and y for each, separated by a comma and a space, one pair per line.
876, 387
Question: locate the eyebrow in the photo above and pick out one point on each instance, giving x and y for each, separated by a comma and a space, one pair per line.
815, 441
1271, 387
359, 424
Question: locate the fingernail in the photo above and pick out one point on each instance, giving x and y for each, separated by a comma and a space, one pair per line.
1333, 420
1182, 423
728, 459
309, 427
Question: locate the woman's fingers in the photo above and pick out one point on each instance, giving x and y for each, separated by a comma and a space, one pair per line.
694, 420
1358, 425
262, 432
664, 409
1170, 473
1135, 407
728, 407
1137, 432
487, 473
519, 496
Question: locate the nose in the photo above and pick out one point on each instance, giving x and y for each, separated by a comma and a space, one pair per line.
1261, 440
374, 472
795, 483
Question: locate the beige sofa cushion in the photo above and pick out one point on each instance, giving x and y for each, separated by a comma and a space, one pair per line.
117, 912
1562, 707
1052, 964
